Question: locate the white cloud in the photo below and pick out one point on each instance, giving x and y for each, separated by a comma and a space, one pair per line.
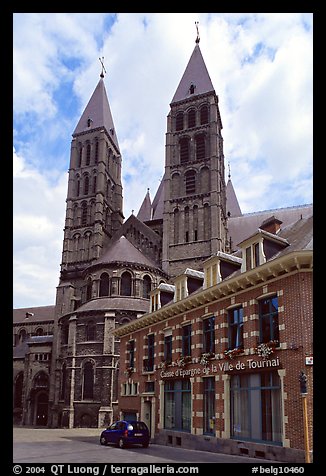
261, 68
38, 208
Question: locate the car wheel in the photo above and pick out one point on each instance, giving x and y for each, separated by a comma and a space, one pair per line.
103, 441
121, 443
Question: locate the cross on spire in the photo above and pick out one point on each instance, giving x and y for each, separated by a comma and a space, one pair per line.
198, 38
103, 68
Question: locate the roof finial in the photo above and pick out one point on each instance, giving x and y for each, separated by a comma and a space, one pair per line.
229, 170
103, 68
198, 38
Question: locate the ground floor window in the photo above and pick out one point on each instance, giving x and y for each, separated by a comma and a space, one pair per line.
256, 407
177, 405
209, 405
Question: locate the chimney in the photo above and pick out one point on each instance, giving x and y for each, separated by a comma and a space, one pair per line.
271, 224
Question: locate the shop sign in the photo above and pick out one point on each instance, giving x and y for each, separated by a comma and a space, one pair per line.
224, 367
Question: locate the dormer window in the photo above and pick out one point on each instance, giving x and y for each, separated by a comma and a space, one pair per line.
220, 266
252, 256
192, 89
259, 248
89, 122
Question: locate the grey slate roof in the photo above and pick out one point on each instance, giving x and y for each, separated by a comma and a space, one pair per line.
244, 226
195, 73
115, 303
41, 313
122, 250
98, 110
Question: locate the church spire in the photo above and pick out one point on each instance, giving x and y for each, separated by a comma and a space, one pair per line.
97, 113
195, 79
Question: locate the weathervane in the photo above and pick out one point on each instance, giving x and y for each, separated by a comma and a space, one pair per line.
198, 38
103, 68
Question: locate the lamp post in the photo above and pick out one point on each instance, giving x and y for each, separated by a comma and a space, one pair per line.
304, 393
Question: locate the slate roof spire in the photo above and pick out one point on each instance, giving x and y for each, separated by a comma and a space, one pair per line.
195, 79
97, 113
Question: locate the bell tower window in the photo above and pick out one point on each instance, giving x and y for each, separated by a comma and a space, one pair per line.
191, 118
204, 115
184, 150
190, 177
88, 154
179, 122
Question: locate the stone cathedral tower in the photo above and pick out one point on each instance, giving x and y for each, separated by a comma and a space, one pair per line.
194, 218
94, 199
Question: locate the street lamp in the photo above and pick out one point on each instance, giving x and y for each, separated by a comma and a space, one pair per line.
304, 393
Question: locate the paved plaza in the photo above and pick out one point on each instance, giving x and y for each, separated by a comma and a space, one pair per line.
81, 445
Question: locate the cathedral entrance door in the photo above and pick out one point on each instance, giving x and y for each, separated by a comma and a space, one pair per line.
42, 409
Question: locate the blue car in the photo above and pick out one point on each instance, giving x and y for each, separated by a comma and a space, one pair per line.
123, 433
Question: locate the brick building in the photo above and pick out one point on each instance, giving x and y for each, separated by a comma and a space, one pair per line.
182, 258
217, 367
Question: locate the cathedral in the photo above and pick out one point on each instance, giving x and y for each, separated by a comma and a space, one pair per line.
66, 357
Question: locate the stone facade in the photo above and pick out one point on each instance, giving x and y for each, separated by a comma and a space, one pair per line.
177, 250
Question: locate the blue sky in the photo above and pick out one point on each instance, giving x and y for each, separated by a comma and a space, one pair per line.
260, 65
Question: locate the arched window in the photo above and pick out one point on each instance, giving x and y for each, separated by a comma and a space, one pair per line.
90, 331
84, 214
190, 178
88, 381
191, 118
75, 215
18, 396
200, 147
175, 185
86, 185
96, 152
104, 284
88, 154
186, 227
65, 334
204, 114
89, 289
92, 211
147, 284
39, 332
179, 121
22, 336
125, 284
77, 185
80, 154
176, 225
184, 150
94, 183
195, 222
206, 221
41, 380
63, 382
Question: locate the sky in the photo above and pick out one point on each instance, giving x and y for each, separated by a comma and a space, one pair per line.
261, 66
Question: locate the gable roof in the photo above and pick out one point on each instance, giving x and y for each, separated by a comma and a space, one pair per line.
98, 110
195, 73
